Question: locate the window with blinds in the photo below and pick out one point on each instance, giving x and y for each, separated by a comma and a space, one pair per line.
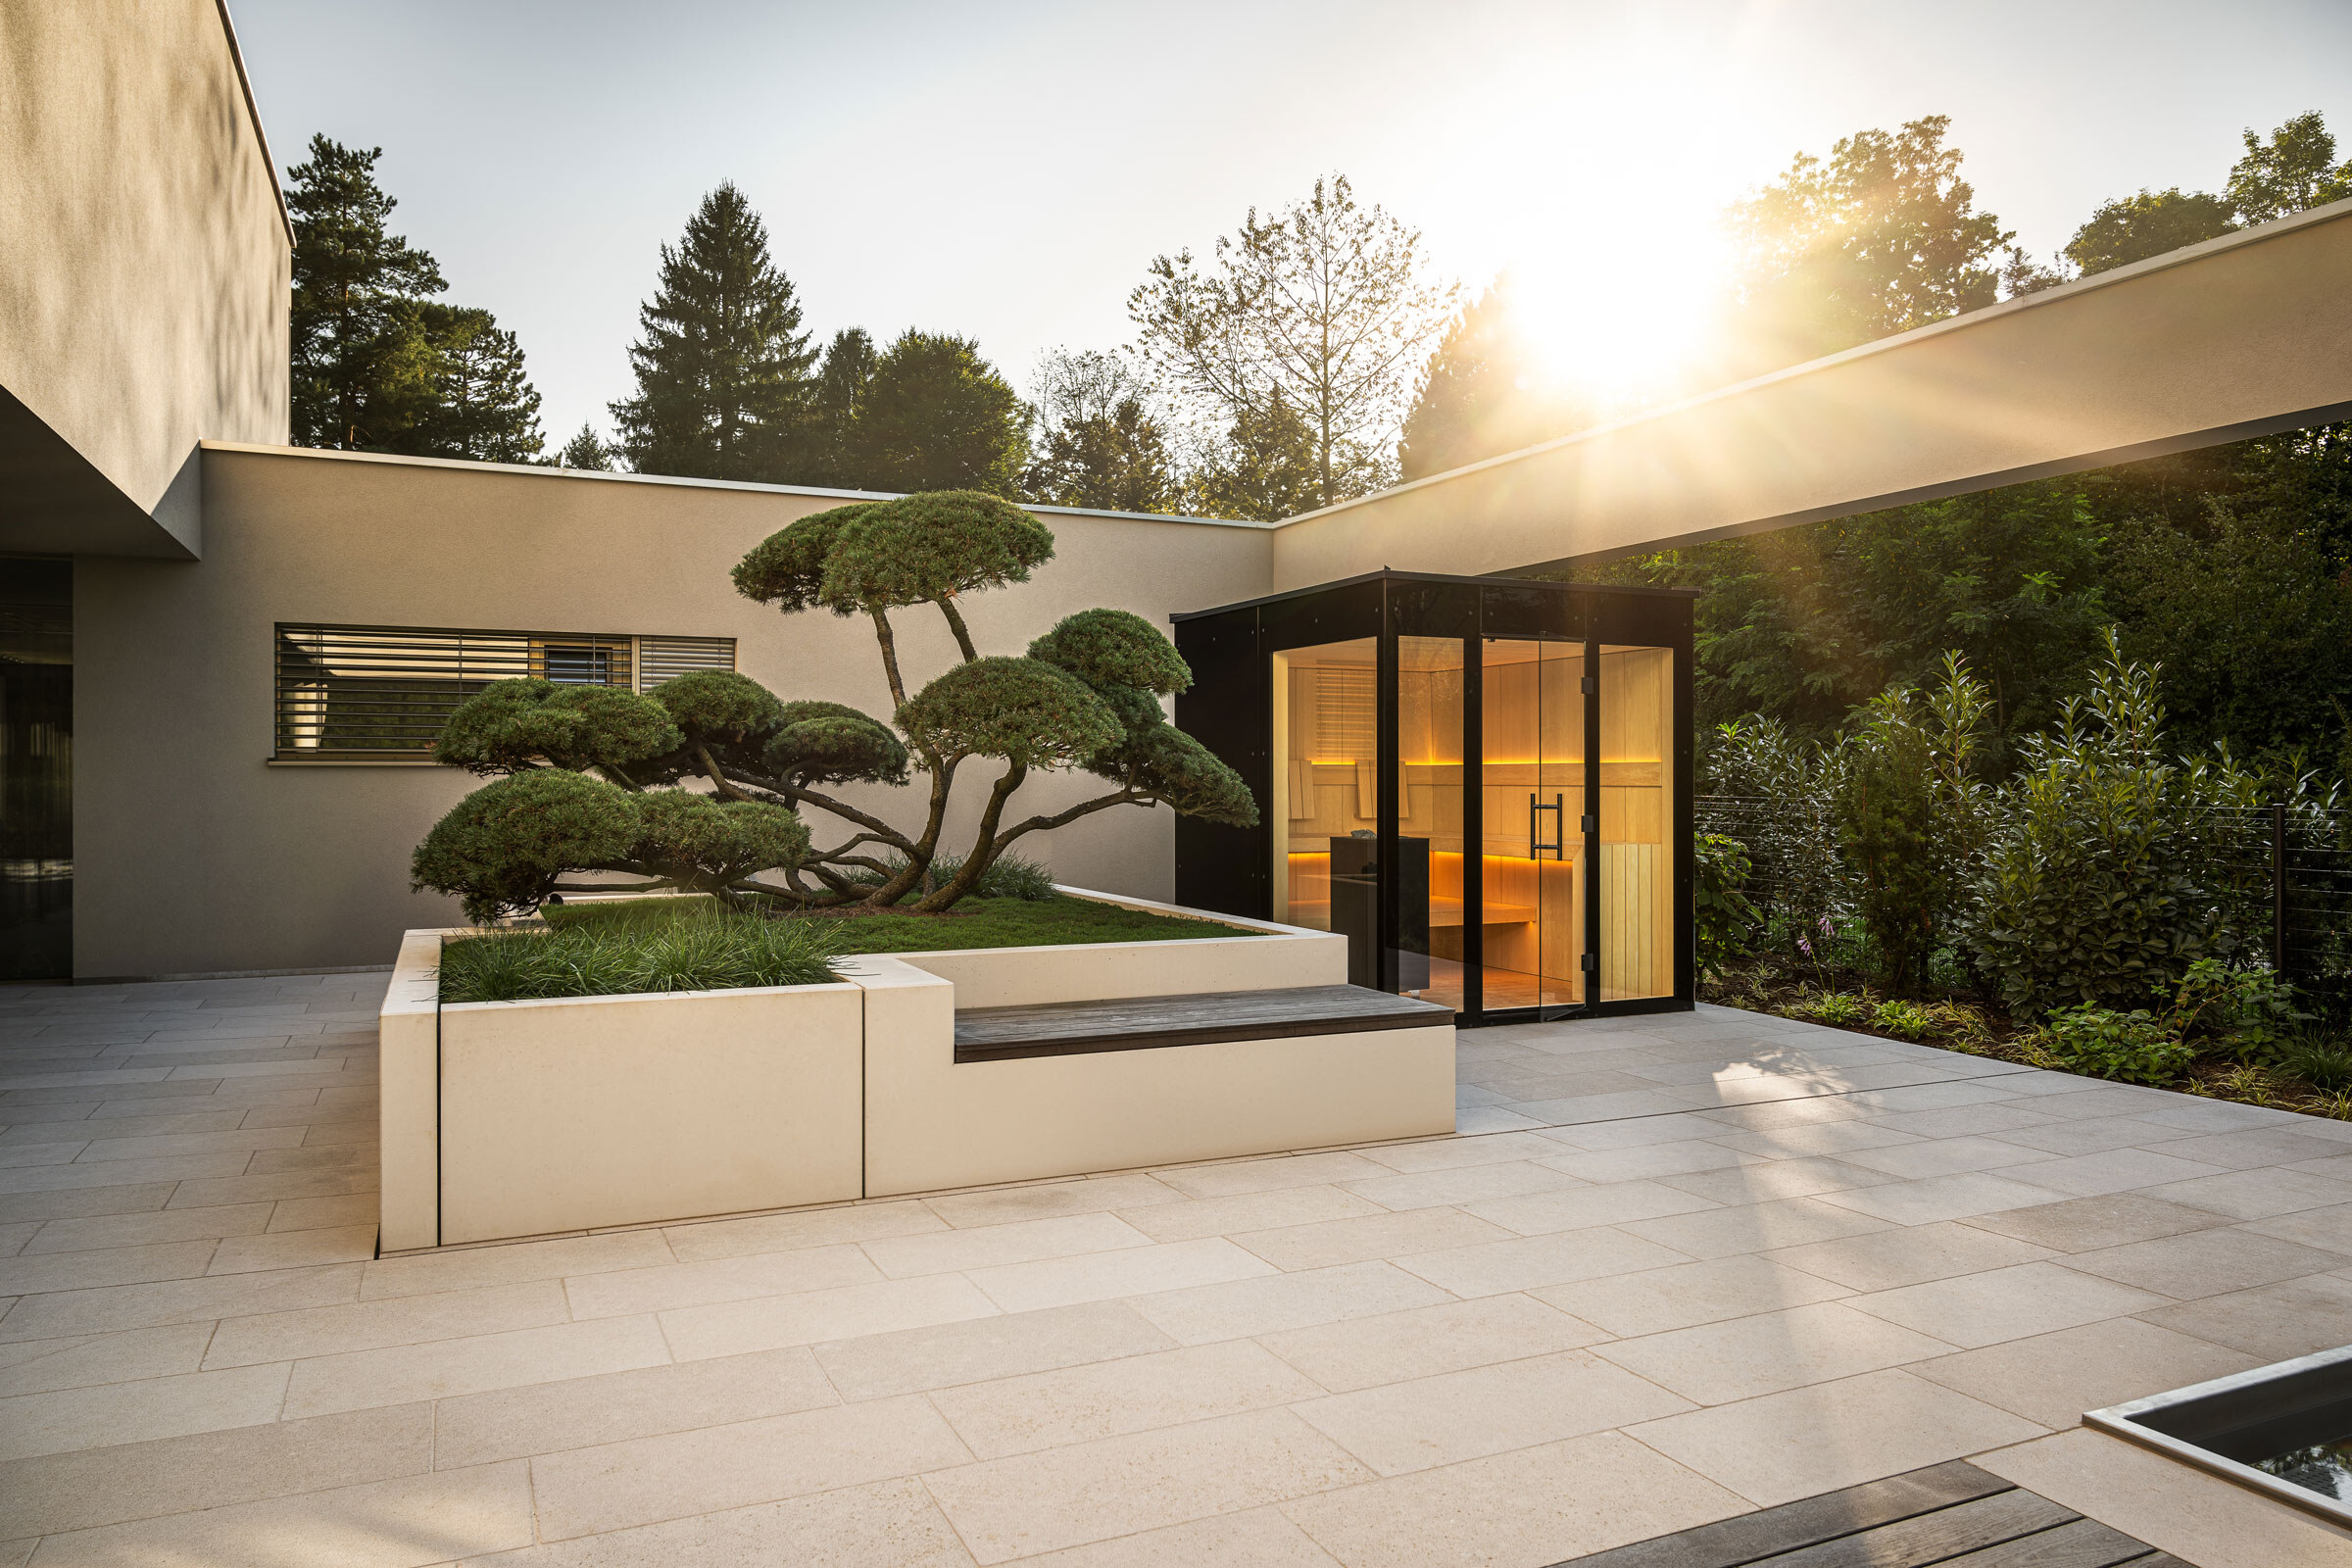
382, 692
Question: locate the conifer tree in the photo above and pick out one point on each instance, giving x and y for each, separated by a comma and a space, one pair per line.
481, 403
830, 452
935, 415
358, 368
1267, 468
1111, 462
722, 370
586, 451
1481, 396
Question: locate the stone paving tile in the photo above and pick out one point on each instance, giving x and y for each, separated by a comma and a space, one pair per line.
1422, 1342
892, 1522
2053, 1378
454, 1513
1685, 1295
1109, 1398
1013, 1507
771, 1387
2201, 1262
1856, 1429
1563, 1499
2274, 1322
105, 1414
876, 1365
615, 1406
1972, 1310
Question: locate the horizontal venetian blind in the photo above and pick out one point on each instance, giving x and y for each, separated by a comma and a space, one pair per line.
384, 692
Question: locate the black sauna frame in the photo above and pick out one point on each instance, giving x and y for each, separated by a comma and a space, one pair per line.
1228, 709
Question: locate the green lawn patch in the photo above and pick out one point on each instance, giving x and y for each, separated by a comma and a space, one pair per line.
972, 923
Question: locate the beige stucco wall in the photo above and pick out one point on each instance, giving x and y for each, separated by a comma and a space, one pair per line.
194, 854
143, 261
2239, 336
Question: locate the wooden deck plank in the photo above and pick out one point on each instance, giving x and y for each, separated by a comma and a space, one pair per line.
1793, 1526
1968, 1528
1133, 1023
2085, 1543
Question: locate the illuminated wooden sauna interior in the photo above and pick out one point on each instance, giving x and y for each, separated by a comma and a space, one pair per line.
1500, 833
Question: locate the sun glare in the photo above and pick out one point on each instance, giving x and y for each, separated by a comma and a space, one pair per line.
1618, 320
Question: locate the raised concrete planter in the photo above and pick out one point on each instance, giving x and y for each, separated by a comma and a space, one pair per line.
525, 1119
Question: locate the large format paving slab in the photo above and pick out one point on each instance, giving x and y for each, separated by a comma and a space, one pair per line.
1671, 1270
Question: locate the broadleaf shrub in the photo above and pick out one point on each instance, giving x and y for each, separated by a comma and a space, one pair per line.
2134, 1046
1726, 919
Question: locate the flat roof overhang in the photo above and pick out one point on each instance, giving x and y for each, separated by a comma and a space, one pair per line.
2245, 335
1494, 578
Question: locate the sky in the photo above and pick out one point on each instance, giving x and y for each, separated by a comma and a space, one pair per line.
1009, 170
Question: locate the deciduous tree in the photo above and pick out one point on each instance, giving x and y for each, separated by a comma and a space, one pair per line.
1326, 305
1882, 237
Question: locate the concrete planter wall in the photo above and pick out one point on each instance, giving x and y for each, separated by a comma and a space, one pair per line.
527, 1118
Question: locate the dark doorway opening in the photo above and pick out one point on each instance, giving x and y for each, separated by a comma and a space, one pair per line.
36, 768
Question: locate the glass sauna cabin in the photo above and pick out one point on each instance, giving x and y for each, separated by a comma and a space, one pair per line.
1483, 782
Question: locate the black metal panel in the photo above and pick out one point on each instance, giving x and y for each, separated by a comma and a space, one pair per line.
36, 768
1228, 869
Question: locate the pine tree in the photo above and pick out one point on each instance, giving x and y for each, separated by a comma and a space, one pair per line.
830, 452
1114, 462
480, 403
359, 369
1267, 468
586, 451
722, 373
935, 415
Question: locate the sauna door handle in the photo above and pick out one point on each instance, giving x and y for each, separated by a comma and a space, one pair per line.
1536, 842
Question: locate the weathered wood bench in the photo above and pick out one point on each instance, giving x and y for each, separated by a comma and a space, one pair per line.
963, 1096
1145, 1023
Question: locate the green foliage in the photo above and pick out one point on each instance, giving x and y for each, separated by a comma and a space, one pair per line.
713, 843
787, 568
1111, 462
1913, 817
718, 704
502, 849
1008, 876
352, 327
1882, 237
929, 548
704, 948
2324, 1064
2252, 1010
1165, 762
722, 367
1905, 1020
2089, 892
1265, 468
1115, 648
588, 452
511, 726
2102, 1042
1726, 919
1024, 711
2132, 229
935, 415
2294, 171
984, 921
829, 743
1320, 314
478, 402
1836, 1009
831, 453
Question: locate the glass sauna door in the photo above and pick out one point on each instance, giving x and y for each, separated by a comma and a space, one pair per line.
1636, 847
1535, 850
1326, 795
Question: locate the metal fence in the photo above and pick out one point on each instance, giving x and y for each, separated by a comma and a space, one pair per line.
2281, 874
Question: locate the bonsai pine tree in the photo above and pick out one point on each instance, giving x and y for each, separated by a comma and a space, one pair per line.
701, 785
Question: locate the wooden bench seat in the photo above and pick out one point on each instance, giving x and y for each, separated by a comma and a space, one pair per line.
1141, 1024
